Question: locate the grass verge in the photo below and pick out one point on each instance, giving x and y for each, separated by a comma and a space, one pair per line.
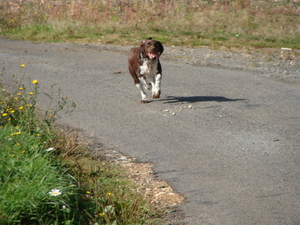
46, 177
230, 23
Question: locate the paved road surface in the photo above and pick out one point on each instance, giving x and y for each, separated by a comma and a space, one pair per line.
228, 140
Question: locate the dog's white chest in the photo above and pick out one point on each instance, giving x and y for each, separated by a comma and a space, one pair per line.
148, 68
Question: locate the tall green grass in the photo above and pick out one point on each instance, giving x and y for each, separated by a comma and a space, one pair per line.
47, 177
28, 174
232, 23
28, 170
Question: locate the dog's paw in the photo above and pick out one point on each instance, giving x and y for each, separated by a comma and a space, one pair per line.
156, 95
144, 101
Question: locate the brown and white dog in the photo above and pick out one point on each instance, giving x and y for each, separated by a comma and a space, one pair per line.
143, 64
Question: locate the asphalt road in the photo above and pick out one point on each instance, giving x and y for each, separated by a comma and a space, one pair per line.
228, 140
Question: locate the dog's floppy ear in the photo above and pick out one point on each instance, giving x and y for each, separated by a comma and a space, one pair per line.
161, 48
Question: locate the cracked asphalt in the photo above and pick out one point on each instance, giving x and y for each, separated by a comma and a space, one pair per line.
228, 139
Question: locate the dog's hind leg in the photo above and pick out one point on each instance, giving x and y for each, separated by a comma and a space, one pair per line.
147, 85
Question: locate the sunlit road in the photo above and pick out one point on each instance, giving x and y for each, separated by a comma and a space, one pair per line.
227, 140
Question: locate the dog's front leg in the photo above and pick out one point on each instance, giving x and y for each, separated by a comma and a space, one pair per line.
156, 84
143, 93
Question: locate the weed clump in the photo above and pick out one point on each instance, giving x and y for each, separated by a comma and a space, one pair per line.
46, 177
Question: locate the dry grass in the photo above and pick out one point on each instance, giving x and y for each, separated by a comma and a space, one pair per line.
256, 23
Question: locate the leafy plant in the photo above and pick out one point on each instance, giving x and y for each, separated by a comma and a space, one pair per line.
46, 177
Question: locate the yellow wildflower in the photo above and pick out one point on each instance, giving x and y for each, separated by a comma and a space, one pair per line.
17, 133
21, 108
21, 88
31, 93
35, 81
4, 114
22, 65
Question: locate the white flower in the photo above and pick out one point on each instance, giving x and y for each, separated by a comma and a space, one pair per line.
55, 192
49, 149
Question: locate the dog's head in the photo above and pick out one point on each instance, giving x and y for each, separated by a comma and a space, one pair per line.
151, 49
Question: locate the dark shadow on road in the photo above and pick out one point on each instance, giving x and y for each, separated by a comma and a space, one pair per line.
193, 99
